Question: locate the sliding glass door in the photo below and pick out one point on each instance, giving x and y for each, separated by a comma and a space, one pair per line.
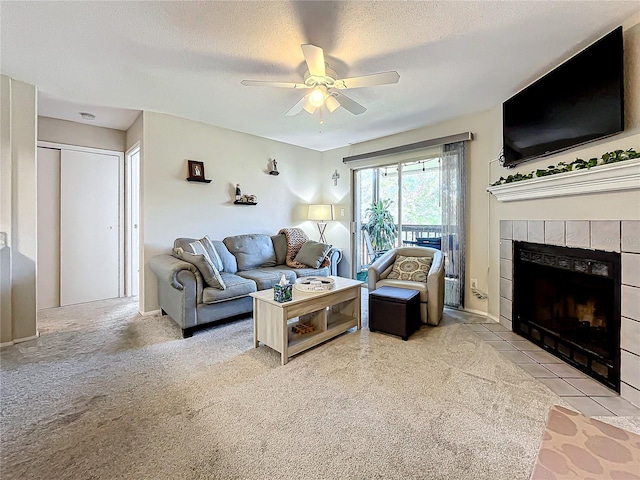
412, 203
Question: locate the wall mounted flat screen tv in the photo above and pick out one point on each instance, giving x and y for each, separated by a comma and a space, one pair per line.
580, 101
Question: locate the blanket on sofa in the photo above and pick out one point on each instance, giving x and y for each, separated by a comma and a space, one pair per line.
296, 238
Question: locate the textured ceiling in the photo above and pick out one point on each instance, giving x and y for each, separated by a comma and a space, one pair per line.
188, 58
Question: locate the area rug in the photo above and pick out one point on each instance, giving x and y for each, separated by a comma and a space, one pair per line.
574, 446
107, 394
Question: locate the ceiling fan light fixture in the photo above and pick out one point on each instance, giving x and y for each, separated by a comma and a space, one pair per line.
331, 103
316, 97
308, 106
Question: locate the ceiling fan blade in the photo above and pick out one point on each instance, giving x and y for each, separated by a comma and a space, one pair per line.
260, 83
297, 108
314, 56
383, 78
348, 104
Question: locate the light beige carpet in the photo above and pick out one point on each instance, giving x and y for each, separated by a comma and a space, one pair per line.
107, 394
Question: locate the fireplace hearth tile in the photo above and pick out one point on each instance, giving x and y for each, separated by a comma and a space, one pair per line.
591, 388
631, 236
516, 356
506, 249
525, 346
537, 371
506, 289
605, 235
630, 302
544, 357
496, 327
506, 269
509, 336
477, 327
577, 233
554, 232
505, 308
488, 336
565, 371
630, 368
630, 335
535, 231
501, 345
506, 323
520, 230
619, 406
560, 387
506, 229
588, 406
631, 269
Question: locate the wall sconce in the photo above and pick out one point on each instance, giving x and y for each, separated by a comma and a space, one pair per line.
321, 213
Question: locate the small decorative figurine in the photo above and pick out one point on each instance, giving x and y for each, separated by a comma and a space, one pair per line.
238, 193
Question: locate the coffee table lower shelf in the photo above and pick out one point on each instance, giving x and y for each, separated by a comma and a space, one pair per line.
330, 313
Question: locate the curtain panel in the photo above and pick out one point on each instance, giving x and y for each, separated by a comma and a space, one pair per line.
453, 195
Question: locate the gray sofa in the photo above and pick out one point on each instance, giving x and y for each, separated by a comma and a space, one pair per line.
250, 263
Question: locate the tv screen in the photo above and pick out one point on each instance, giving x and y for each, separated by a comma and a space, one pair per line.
580, 101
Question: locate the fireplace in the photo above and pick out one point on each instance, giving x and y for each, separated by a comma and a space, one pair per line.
567, 301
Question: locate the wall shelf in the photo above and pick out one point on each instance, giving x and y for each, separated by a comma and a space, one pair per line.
245, 203
200, 180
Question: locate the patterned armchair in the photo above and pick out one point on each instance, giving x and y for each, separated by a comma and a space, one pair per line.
431, 291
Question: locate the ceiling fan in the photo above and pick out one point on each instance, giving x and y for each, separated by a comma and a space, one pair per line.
325, 86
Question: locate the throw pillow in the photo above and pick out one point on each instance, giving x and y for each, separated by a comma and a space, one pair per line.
312, 253
204, 246
209, 272
213, 253
410, 268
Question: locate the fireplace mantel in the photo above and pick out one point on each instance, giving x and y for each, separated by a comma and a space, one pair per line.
603, 178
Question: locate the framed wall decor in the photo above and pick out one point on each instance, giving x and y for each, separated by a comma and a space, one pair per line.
196, 171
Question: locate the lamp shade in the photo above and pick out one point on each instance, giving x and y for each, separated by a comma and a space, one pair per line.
320, 212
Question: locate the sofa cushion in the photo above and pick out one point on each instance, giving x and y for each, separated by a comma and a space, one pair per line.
410, 268
251, 251
202, 262
267, 277
236, 287
280, 247
312, 253
307, 272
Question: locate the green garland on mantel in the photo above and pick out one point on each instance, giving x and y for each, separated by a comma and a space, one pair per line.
577, 164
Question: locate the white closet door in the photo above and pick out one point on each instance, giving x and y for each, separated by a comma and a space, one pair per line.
89, 227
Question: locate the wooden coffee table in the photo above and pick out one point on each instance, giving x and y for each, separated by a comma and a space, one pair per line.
326, 313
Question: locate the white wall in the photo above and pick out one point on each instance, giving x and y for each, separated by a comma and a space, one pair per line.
80, 134
171, 207
18, 213
134, 133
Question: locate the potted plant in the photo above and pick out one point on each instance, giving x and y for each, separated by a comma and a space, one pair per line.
381, 226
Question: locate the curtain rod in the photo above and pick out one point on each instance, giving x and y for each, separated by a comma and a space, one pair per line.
460, 137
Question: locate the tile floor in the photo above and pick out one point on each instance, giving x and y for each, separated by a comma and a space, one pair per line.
579, 390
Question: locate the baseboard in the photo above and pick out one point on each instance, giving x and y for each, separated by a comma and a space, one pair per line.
475, 312
6, 344
25, 339
150, 313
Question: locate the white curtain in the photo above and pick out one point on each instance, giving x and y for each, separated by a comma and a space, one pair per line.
454, 179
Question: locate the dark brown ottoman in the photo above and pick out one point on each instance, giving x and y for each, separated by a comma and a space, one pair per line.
395, 311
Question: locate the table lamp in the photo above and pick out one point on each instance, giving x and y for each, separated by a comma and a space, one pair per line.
321, 213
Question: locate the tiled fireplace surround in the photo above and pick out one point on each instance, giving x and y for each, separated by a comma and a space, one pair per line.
608, 235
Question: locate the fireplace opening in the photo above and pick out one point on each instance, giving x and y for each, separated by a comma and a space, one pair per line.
567, 301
